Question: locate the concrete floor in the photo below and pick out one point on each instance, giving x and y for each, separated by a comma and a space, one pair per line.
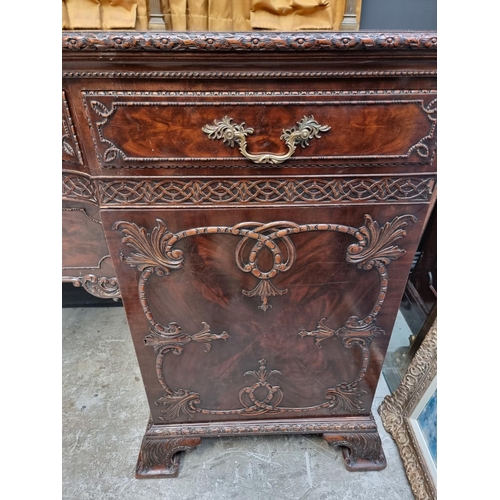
105, 415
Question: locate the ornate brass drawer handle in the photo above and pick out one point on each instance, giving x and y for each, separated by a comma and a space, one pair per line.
304, 130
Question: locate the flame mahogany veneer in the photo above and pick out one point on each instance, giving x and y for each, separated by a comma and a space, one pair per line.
258, 198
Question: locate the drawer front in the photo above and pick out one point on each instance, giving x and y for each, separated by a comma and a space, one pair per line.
287, 317
140, 129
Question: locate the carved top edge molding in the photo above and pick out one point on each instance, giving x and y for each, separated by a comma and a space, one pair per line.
247, 74
247, 41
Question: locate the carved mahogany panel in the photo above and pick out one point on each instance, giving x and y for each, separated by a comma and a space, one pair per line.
239, 299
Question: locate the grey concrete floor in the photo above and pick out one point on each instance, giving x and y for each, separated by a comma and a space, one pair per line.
105, 413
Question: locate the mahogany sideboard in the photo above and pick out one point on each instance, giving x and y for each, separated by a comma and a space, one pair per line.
258, 198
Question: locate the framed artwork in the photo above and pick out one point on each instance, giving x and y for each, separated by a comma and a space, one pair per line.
410, 416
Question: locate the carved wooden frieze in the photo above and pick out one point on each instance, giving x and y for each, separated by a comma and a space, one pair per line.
70, 148
154, 253
295, 426
78, 187
248, 42
140, 129
256, 191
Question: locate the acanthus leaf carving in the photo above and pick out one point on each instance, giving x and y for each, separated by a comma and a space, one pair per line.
178, 403
264, 289
345, 397
375, 245
229, 132
150, 248
174, 339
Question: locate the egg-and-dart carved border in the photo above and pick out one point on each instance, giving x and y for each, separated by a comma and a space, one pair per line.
254, 41
113, 152
154, 253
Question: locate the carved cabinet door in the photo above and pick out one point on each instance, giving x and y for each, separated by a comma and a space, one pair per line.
241, 314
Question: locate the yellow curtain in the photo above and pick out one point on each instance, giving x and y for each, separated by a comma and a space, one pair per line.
118, 14
65, 18
203, 15
142, 15
208, 15
291, 15
245, 15
100, 14
84, 14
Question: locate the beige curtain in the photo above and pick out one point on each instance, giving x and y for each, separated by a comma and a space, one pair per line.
291, 15
100, 14
203, 15
245, 15
208, 15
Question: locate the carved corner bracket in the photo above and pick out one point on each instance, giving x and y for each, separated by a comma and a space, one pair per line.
98, 286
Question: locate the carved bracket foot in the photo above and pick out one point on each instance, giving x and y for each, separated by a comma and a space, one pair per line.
159, 456
362, 451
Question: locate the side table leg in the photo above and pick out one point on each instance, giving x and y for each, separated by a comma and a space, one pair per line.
362, 451
159, 456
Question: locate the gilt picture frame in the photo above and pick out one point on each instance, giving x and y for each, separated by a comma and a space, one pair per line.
410, 416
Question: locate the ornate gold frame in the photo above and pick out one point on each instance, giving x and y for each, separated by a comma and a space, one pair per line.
397, 409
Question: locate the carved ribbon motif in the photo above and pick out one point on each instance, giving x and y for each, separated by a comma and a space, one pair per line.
154, 253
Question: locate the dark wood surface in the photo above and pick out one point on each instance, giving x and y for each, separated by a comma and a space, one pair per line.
420, 296
260, 296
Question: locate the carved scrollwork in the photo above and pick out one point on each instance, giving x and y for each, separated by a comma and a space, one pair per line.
375, 245
178, 403
99, 286
154, 253
159, 456
174, 339
361, 450
264, 290
251, 401
422, 147
150, 248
